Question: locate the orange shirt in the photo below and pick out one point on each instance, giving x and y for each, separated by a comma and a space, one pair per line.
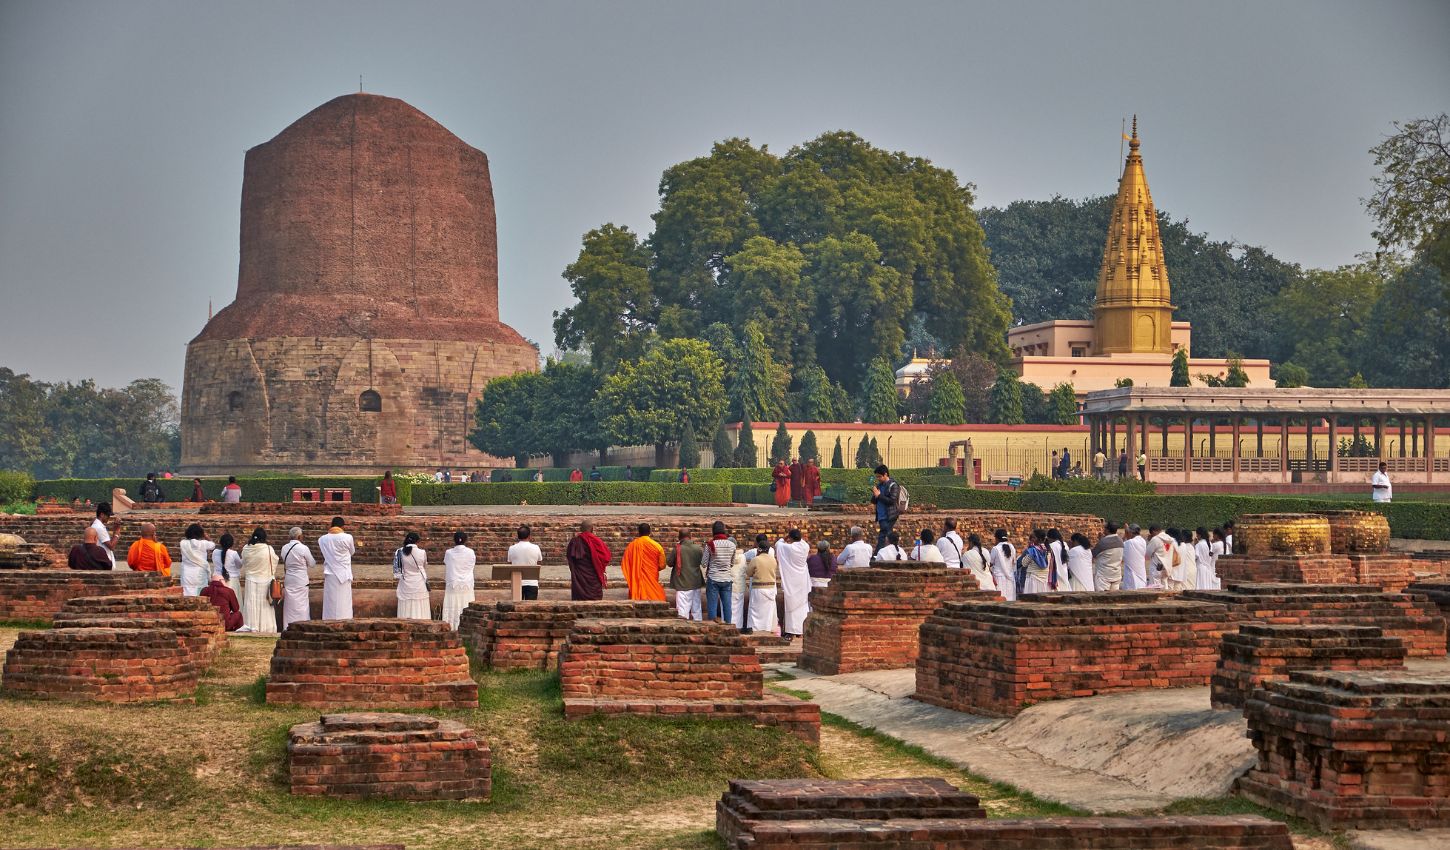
643, 559
149, 556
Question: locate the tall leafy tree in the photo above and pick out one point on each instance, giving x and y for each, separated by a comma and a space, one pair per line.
780, 444
947, 405
770, 294
506, 419
1407, 334
808, 448
863, 453
819, 399
1007, 399
1411, 201
565, 411
1323, 316
689, 447
22, 421
878, 395
1179, 376
745, 451
838, 458
1037, 409
1062, 404
1235, 375
721, 448
649, 400
1290, 375
757, 386
616, 313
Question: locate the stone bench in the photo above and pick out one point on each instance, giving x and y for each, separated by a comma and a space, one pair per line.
997, 658
1208, 832
673, 668
749, 803
39, 594
1258, 654
370, 755
101, 665
868, 618
193, 618
384, 663
528, 635
1412, 619
1353, 750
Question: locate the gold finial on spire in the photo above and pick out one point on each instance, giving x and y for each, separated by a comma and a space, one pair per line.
1133, 142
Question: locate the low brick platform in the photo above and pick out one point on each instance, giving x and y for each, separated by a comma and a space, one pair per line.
1290, 569
389, 756
100, 665
313, 509
1257, 654
997, 658
371, 664
749, 803
1410, 618
1209, 832
528, 635
1353, 750
1438, 592
39, 594
1389, 572
194, 619
673, 667
867, 619
774, 649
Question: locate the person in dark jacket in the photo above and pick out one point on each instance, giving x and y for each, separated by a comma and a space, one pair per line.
150, 491
883, 496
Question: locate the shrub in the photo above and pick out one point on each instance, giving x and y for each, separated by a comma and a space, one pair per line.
556, 493
254, 488
16, 486
1042, 482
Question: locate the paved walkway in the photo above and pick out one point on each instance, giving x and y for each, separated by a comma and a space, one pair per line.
604, 510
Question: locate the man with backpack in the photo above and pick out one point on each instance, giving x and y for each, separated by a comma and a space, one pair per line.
890, 499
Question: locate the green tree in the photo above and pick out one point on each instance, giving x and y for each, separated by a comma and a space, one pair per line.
1236, 376
1357, 382
1062, 402
1411, 201
875, 458
820, 399
1007, 399
1291, 375
1180, 376
649, 400
22, 421
757, 387
838, 458
1037, 409
1407, 335
780, 445
721, 448
745, 452
564, 411
808, 448
878, 396
863, 453
689, 447
615, 316
505, 418
947, 403
769, 292
1123, 382
1322, 316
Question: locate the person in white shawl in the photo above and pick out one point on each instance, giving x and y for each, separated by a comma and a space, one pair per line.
1003, 562
337, 548
1079, 565
194, 573
926, 549
978, 560
458, 565
225, 562
791, 553
763, 572
1203, 556
739, 588
410, 565
297, 561
1176, 560
259, 567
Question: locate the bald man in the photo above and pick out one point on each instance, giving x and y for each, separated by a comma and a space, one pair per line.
90, 554
147, 555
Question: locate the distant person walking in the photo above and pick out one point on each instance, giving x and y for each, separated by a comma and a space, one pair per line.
642, 562
410, 569
388, 489
1142, 465
197, 494
458, 579
576, 475
780, 477
885, 496
337, 548
798, 481
811, 478
150, 491
588, 557
1381, 490
232, 492
297, 560
1100, 462
1123, 466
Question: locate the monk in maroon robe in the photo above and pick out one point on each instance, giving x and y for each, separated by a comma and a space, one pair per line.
797, 480
89, 555
812, 477
781, 476
225, 600
588, 558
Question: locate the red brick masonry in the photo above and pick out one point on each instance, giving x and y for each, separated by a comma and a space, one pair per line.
1437, 592
390, 756
309, 509
1294, 569
997, 658
1413, 619
1353, 750
673, 667
867, 619
371, 664
102, 665
39, 594
1259, 653
1236, 832
528, 635
748, 803
194, 619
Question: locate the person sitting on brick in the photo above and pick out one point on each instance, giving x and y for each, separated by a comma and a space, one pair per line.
225, 600
88, 554
147, 554
858, 552
687, 578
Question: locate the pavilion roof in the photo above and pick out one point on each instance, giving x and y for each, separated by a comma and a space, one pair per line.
1273, 401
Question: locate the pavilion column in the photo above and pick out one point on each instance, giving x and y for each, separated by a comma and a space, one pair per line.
1143, 442
1333, 446
1188, 447
1379, 436
1354, 443
1414, 438
1165, 420
1309, 454
1213, 436
1284, 448
1130, 444
1237, 426
1402, 436
1112, 452
1259, 429
1429, 449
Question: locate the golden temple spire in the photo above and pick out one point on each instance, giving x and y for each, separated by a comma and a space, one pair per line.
1134, 311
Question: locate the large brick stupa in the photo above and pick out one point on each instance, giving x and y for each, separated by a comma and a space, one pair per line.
366, 319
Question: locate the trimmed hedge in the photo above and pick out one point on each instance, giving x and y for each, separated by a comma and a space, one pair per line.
259, 489
829, 477
561, 474
555, 493
1123, 486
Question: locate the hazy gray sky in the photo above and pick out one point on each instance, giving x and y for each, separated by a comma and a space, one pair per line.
123, 124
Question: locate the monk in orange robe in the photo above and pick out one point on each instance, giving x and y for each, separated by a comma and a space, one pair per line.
643, 559
781, 476
147, 554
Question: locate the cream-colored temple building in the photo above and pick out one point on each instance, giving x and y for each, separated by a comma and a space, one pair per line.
1132, 333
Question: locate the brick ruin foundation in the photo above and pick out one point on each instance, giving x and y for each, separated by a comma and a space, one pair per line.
749, 803
371, 755
194, 619
997, 658
1258, 654
1411, 618
867, 619
673, 667
371, 664
101, 665
528, 635
1353, 750
1438, 592
1328, 547
39, 594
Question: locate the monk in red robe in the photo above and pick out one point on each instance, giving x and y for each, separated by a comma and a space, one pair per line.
588, 558
811, 479
797, 480
781, 476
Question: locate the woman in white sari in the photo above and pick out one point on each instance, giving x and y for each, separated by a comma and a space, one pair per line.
195, 549
458, 564
977, 559
225, 562
1079, 565
297, 561
410, 569
259, 565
